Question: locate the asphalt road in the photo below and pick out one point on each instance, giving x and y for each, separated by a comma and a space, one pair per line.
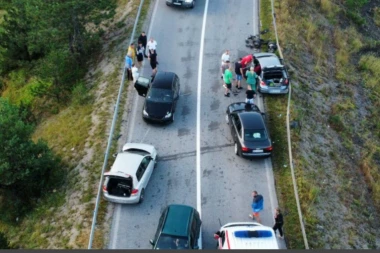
225, 181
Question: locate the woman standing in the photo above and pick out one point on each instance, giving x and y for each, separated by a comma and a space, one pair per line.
279, 222
153, 60
251, 79
140, 53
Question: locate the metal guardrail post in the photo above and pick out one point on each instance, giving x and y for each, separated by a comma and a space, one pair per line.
111, 135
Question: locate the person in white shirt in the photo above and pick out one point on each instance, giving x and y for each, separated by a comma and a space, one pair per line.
135, 73
151, 45
225, 58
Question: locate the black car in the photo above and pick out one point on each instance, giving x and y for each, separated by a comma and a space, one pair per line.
181, 3
248, 130
274, 78
161, 96
178, 228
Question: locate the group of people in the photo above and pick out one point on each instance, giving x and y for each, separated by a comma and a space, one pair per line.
135, 56
258, 206
244, 69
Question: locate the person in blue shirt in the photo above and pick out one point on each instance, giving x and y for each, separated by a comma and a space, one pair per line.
128, 66
257, 206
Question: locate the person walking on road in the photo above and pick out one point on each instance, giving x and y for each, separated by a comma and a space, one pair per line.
143, 40
250, 96
246, 62
152, 45
251, 79
128, 66
279, 222
257, 206
239, 74
227, 78
225, 66
140, 53
225, 59
153, 60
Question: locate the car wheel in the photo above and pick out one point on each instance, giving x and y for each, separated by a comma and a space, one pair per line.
155, 162
141, 199
167, 4
173, 117
192, 5
226, 118
237, 151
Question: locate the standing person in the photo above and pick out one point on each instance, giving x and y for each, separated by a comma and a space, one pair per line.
251, 79
257, 206
257, 66
239, 74
225, 66
151, 45
250, 96
228, 77
153, 60
245, 63
279, 222
128, 66
135, 73
143, 40
132, 51
140, 53
225, 58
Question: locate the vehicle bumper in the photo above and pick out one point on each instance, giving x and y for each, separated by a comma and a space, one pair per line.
119, 200
251, 155
273, 90
156, 120
180, 4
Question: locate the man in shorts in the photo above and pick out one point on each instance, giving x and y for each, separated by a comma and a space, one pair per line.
239, 73
257, 206
227, 78
224, 60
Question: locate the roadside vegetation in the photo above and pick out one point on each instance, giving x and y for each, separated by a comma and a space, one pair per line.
331, 51
60, 70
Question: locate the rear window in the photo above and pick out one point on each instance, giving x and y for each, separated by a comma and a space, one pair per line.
137, 151
255, 134
172, 242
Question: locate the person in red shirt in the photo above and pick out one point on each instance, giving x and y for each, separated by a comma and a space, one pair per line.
246, 63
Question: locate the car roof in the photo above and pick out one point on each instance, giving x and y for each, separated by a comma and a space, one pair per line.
177, 220
238, 235
127, 163
163, 80
252, 120
268, 59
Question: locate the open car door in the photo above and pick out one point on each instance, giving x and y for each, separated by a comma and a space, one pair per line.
142, 86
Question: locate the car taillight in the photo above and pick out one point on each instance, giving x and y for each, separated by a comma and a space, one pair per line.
262, 83
286, 81
134, 192
104, 188
268, 149
245, 149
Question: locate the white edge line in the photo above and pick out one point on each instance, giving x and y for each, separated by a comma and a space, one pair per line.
130, 132
198, 148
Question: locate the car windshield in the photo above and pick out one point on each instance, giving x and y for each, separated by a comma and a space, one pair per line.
255, 134
172, 242
160, 95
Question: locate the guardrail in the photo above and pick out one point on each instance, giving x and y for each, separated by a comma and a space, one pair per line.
289, 139
111, 135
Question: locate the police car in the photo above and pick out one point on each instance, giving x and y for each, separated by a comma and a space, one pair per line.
246, 235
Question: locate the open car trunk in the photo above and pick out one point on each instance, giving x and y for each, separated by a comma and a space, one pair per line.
120, 186
273, 78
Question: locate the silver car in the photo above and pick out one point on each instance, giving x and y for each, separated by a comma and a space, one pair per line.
128, 178
273, 79
181, 3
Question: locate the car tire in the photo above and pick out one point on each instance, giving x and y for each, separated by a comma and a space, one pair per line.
237, 151
192, 5
155, 162
167, 4
173, 117
141, 199
226, 118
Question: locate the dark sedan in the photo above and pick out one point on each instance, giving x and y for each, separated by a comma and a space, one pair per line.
248, 130
181, 3
161, 96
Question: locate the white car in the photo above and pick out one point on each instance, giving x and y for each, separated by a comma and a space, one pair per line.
246, 235
128, 178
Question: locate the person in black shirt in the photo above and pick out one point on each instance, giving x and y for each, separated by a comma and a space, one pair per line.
143, 40
279, 221
239, 73
250, 95
153, 60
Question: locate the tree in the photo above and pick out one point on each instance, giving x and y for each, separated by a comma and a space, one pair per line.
4, 243
25, 166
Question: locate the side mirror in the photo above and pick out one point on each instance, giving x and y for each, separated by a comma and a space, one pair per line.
114, 155
151, 242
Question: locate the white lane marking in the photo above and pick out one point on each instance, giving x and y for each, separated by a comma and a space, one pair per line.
199, 200
135, 102
270, 183
146, 133
117, 212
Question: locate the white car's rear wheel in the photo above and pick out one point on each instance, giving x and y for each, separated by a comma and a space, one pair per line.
141, 199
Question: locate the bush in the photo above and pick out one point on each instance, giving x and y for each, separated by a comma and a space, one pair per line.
80, 95
4, 243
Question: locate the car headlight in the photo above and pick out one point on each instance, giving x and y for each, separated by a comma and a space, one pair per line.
145, 113
188, 1
168, 115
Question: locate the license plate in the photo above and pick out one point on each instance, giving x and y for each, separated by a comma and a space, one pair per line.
257, 151
275, 91
177, 3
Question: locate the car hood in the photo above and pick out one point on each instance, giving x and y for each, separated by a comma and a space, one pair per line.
157, 110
